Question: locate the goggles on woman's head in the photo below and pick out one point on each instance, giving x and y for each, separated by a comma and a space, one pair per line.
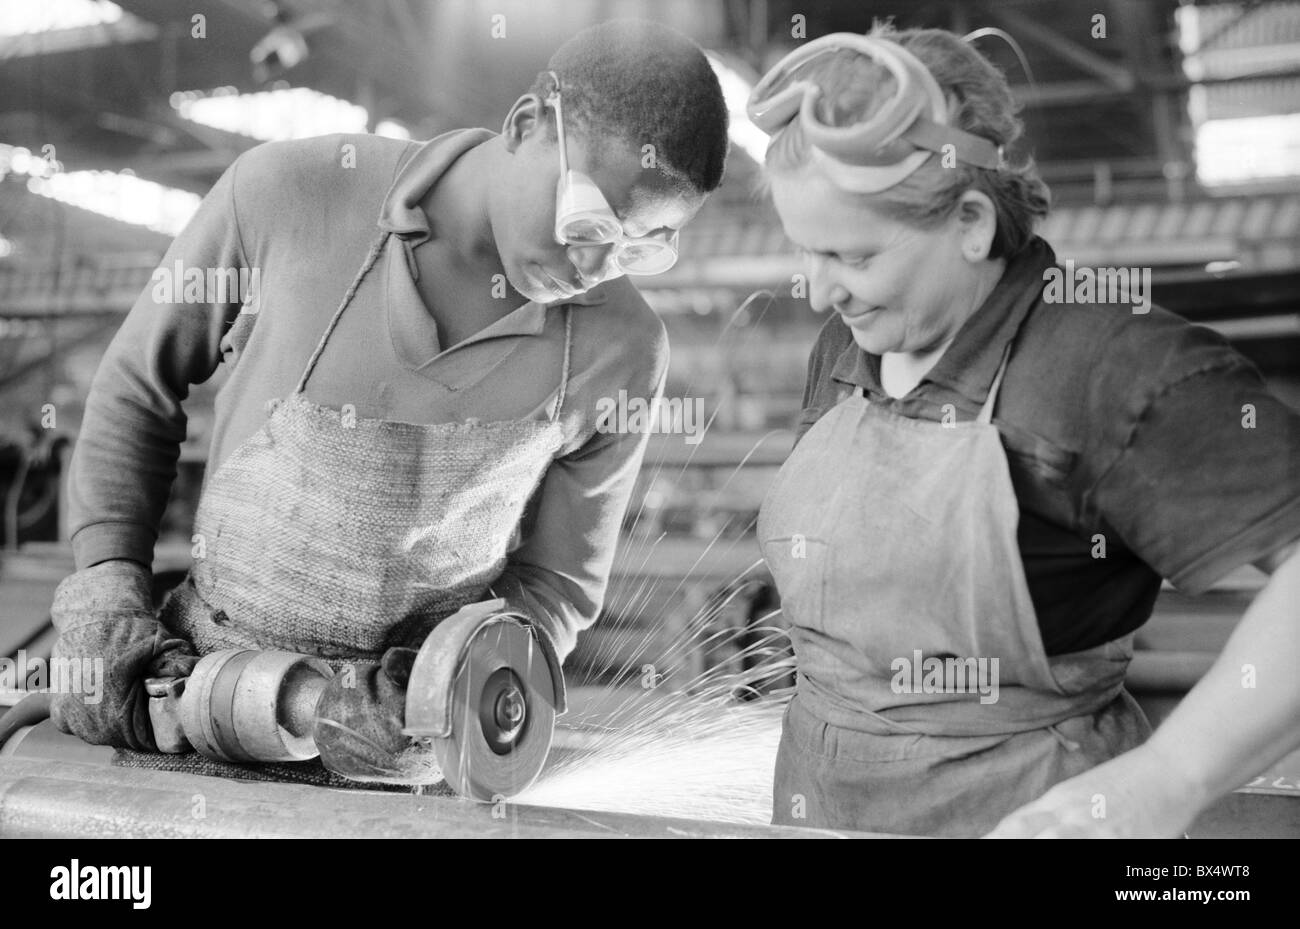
879, 151
584, 218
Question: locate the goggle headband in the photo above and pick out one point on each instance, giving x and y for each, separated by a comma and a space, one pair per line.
890, 144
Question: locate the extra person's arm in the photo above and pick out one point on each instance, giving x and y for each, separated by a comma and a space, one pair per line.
1237, 721
1244, 715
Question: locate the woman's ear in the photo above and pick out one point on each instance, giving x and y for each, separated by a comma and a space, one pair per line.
527, 116
979, 225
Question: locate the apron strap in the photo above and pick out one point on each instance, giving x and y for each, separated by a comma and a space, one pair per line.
564, 368
371, 257
986, 411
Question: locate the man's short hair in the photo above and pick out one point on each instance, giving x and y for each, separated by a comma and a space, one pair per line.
645, 84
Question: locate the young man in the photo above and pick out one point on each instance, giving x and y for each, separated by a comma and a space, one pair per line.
409, 422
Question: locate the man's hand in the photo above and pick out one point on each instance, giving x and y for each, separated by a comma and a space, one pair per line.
359, 722
108, 637
1139, 794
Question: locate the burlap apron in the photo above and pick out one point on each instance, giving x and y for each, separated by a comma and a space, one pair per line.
341, 538
892, 541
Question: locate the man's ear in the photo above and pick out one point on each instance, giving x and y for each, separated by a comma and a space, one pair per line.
979, 225
527, 116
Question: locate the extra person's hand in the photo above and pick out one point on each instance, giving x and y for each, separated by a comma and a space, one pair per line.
109, 642
1139, 794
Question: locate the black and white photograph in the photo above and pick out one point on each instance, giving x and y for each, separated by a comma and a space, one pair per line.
705, 419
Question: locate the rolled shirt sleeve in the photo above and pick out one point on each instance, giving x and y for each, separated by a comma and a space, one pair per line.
559, 574
1207, 477
125, 457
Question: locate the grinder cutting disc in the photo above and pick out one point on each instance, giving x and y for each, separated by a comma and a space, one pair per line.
502, 714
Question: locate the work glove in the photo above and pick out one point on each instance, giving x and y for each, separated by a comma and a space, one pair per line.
109, 642
359, 721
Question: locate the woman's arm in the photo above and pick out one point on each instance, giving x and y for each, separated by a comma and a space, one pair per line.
1243, 716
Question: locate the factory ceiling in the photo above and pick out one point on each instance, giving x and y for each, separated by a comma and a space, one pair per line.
102, 96
1105, 99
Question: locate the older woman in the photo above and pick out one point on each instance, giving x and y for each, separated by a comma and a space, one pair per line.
989, 485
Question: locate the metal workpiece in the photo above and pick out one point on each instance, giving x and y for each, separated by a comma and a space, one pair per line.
26, 713
62, 799
41, 740
485, 689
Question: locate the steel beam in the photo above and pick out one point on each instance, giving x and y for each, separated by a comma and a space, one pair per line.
1116, 76
56, 799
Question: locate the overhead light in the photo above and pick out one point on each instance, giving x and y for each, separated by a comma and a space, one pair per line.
14, 159
53, 15
38, 28
282, 113
272, 115
1234, 149
116, 194
1248, 148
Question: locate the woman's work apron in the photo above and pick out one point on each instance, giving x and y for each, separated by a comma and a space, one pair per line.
893, 545
340, 538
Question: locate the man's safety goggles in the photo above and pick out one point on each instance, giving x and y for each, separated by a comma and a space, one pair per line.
583, 216
878, 152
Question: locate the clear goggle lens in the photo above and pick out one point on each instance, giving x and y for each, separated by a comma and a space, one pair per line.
583, 218
647, 256
589, 230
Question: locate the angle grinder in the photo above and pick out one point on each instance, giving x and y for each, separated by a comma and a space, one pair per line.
484, 689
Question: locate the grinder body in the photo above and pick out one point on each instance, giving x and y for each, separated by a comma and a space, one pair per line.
240, 705
484, 690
